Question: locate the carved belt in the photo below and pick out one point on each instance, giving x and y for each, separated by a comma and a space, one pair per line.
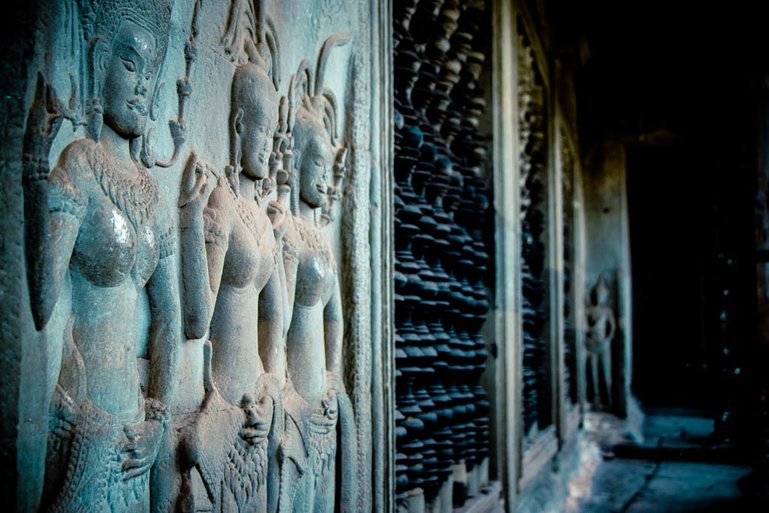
321, 434
89, 439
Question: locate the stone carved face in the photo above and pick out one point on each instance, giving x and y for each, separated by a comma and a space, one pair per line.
128, 77
316, 159
255, 118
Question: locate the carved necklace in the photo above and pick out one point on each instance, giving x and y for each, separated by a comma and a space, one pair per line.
313, 239
135, 196
246, 215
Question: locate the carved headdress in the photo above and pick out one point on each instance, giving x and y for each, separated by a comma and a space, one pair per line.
101, 20
250, 41
313, 106
250, 36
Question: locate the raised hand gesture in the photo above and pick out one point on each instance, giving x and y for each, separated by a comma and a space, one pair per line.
195, 189
43, 122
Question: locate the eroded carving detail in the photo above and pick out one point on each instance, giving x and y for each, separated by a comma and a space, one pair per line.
96, 226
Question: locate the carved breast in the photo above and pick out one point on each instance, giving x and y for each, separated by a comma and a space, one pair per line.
119, 235
316, 273
599, 325
249, 259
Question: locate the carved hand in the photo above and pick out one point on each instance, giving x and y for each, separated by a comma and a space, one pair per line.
139, 453
195, 189
258, 418
276, 211
178, 131
283, 144
330, 408
44, 121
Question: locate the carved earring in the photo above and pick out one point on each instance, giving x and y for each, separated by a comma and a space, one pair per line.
146, 154
135, 149
232, 171
294, 183
95, 116
95, 104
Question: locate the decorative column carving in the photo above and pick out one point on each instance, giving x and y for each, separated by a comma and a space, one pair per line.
568, 172
441, 232
532, 163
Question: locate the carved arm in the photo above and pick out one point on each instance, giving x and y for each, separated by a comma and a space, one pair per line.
53, 205
272, 303
333, 325
164, 347
202, 259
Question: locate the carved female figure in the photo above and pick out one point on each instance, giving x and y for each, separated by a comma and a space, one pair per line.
97, 226
235, 292
601, 327
315, 403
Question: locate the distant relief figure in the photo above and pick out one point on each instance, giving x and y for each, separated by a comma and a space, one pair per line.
319, 425
601, 327
235, 291
97, 226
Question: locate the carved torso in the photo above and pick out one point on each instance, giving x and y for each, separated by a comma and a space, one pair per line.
600, 324
315, 283
250, 255
122, 235
316, 267
121, 232
243, 232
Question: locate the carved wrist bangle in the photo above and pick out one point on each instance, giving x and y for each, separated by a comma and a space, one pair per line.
189, 218
35, 169
155, 410
167, 247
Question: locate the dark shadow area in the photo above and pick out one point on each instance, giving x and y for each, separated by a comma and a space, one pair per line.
677, 84
672, 251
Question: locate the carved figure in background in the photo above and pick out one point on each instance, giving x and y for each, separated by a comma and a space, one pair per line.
318, 411
601, 327
96, 226
236, 292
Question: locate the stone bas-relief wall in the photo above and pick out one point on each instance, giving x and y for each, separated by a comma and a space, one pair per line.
191, 171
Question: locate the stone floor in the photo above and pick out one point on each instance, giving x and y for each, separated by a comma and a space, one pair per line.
669, 471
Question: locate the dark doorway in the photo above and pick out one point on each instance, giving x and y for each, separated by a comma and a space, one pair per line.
672, 247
